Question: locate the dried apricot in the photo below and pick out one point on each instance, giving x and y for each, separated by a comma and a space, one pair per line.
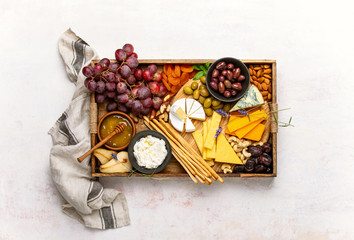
192, 74
166, 84
164, 76
177, 71
186, 68
184, 78
174, 89
174, 81
165, 68
173, 74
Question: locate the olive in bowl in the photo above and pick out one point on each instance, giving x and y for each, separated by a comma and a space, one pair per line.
227, 79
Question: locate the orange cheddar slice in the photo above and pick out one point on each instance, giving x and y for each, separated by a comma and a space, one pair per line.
227, 131
256, 133
240, 133
246, 120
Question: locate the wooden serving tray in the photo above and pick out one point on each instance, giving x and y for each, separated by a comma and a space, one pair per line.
174, 169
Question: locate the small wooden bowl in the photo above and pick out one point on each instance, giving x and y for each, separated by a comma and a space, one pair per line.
123, 115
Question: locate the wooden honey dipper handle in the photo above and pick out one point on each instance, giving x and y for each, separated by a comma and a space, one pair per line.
119, 128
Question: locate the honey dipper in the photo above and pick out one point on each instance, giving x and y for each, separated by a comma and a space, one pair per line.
119, 128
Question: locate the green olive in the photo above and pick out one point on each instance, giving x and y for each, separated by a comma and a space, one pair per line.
215, 102
218, 106
188, 90
196, 94
227, 107
203, 80
201, 99
207, 102
194, 85
204, 93
202, 86
208, 111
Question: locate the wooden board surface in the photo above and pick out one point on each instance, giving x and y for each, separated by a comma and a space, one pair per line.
174, 169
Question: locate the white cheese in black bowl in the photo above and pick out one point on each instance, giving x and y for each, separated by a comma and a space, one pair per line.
149, 152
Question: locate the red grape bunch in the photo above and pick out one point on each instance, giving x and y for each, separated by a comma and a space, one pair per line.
124, 84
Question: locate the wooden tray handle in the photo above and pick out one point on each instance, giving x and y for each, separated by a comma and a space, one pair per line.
274, 125
119, 128
93, 115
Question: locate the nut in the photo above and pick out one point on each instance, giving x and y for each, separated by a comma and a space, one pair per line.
226, 168
163, 107
168, 108
261, 78
237, 148
245, 153
135, 119
165, 117
168, 97
232, 139
245, 144
153, 114
267, 76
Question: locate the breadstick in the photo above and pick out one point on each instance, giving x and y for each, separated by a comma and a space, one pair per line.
177, 158
185, 143
196, 162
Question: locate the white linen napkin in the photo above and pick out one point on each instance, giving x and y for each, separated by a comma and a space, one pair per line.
85, 198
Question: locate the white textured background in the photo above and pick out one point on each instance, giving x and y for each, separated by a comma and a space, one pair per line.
312, 41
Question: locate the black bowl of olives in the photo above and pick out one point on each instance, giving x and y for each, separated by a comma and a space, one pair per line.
227, 79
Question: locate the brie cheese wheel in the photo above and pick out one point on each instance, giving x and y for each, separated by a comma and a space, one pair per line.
181, 113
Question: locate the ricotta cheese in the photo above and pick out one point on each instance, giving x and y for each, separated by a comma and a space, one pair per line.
150, 152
